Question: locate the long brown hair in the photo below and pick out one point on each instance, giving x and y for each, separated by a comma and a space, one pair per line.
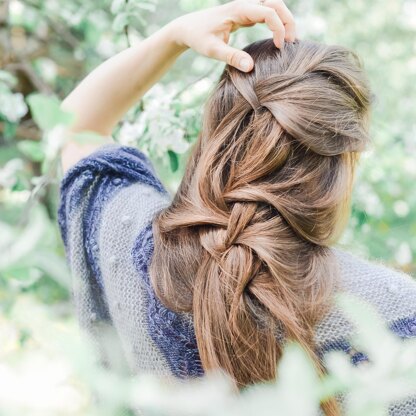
244, 245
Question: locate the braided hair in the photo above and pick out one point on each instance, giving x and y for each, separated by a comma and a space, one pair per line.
245, 244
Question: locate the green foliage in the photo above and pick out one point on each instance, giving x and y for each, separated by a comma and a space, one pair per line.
46, 48
31, 150
41, 350
130, 13
46, 112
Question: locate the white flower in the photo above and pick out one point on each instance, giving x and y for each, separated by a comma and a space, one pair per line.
130, 132
403, 254
48, 68
401, 208
177, 142
8, 172
12, 106
54, 140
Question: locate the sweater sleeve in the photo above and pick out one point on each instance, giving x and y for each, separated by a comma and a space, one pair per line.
91, 182
87, 189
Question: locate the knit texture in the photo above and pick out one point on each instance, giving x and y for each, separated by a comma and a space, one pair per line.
108, 202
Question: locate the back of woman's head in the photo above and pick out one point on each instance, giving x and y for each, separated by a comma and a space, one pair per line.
245, 244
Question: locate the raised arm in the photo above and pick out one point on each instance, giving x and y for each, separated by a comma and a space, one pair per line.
105, 95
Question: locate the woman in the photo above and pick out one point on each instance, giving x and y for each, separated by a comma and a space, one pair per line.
242, 259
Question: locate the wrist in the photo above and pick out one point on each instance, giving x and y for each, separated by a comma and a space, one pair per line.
173, 34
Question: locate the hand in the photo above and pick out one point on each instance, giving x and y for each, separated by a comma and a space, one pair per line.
208, 31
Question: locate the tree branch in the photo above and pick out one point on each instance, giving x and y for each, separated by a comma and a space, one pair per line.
37, 82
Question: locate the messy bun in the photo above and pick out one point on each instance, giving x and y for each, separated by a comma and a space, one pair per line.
245, 244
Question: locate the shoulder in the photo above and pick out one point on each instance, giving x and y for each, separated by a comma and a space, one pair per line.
92, 182
127, 214
390, 292
107, 200
112, 179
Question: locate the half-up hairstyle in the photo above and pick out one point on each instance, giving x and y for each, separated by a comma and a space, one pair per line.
245, 244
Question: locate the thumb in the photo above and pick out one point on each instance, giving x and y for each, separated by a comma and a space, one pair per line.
234, 57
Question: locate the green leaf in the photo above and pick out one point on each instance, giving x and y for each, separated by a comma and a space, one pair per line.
47, 113
32, 150
54, 267
26, 276
148, 6
117, 6
121, 21
9, 129
174, 161
137, 18
8, 79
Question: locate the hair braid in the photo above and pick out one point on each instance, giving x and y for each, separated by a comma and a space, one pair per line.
245, 245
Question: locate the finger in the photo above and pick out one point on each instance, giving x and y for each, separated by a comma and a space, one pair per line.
260, 14
285, 16
232, 56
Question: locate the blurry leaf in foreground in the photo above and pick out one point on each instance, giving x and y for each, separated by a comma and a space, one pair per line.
389, 376
297, 390
39, 380
47, 113
31, 149
7, 79
214, 394
25, 276
20, 243
296, 371
211, 395
9, 172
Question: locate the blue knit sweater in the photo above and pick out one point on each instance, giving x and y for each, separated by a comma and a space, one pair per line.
108, 202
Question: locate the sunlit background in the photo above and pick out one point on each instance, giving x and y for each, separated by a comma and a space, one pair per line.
47, 46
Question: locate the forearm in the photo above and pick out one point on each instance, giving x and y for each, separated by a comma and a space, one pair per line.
104, 96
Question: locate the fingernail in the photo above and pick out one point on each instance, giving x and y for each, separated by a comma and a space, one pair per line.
244, 64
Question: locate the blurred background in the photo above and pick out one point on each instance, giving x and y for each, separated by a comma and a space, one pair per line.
48, 46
